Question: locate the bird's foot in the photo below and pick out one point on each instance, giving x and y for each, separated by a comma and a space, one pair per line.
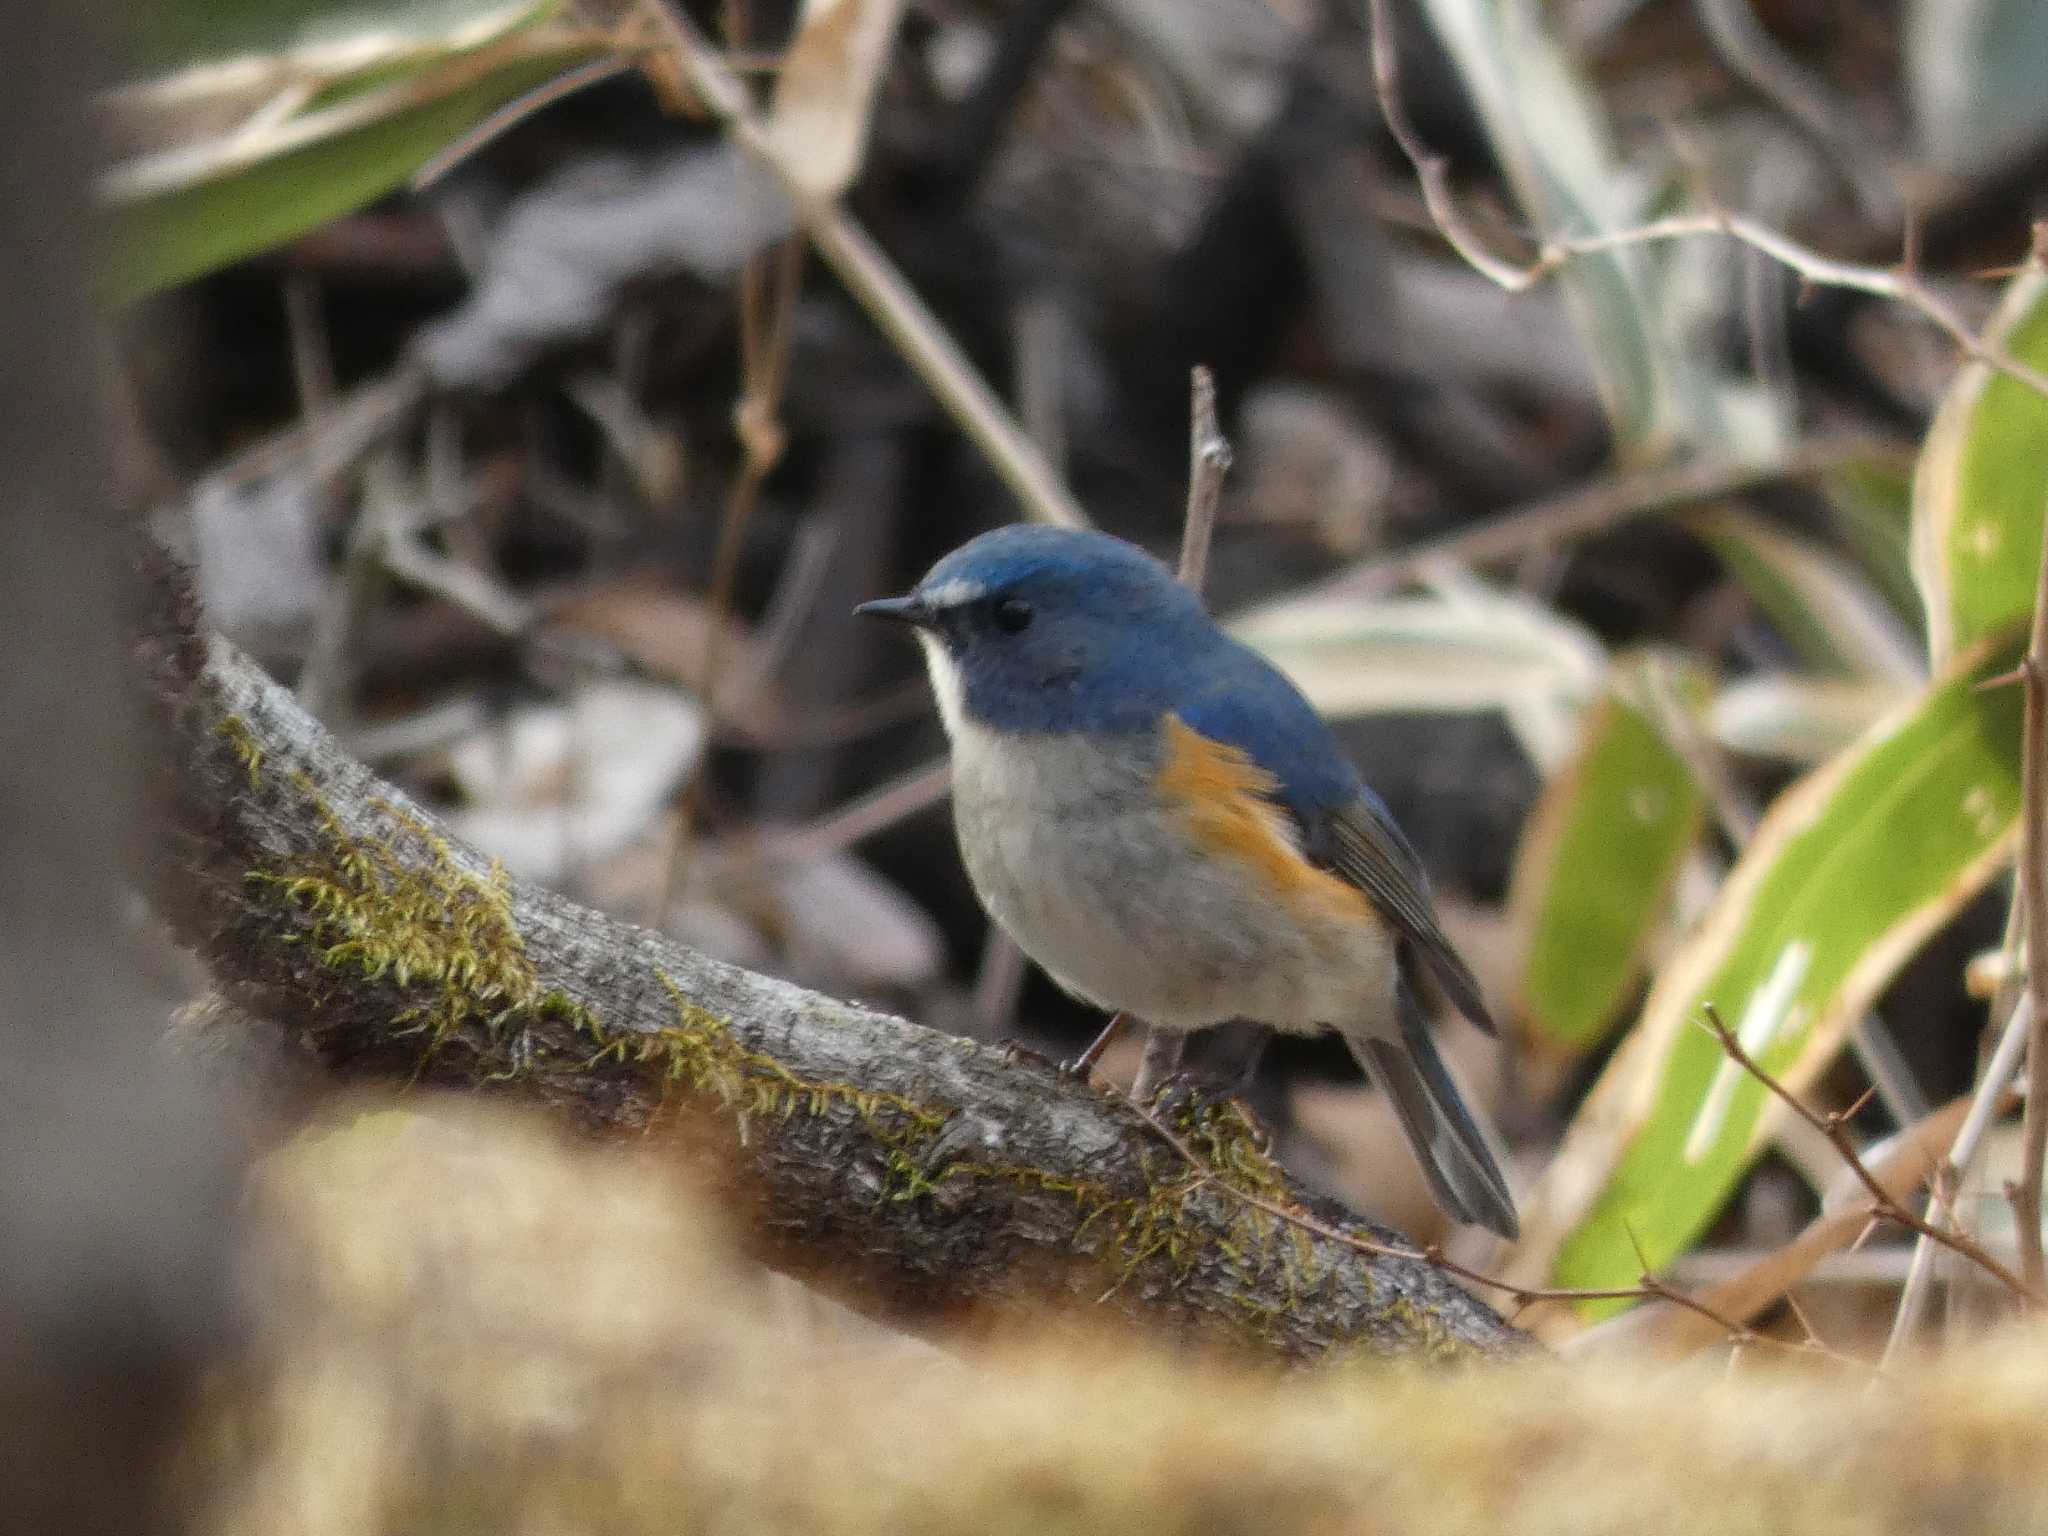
1196, 1105
1015, 1051
1160, 1063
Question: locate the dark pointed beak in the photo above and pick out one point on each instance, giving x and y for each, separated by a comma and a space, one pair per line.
901, 610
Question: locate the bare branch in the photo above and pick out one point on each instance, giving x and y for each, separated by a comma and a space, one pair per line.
1901, 284
1600, 504
1648, 1287
1208, 462
909, 1173
1987, 1105
1882, 1205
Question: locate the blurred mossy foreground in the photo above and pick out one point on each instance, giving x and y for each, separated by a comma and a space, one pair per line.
467, 1323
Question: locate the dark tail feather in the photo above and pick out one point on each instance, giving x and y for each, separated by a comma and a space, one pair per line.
1454, 1156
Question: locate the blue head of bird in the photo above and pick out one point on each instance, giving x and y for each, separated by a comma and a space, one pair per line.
1037, 629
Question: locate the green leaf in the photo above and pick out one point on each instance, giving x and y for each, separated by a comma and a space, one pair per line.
1550, 134
1974, 71
1871, 503
1551, 139
1854, 867
1832, 617
1981, 489
1797, 718
1464, 648
233, 177
1596, 867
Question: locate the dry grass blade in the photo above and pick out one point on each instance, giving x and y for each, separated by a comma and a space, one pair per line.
875, 282
1988, 1104
825, 91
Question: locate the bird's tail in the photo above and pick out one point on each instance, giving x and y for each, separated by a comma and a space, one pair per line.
1447, 1141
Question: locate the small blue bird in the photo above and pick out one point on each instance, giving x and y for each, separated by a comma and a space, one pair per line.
1164, 824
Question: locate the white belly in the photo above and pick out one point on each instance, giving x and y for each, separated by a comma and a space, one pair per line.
1077, 858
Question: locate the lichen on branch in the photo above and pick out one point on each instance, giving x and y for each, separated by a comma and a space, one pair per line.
919, 1177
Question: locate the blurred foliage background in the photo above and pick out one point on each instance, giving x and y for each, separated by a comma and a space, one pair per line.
1639, 425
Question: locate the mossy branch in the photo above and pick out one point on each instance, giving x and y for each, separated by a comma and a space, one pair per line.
918, 1177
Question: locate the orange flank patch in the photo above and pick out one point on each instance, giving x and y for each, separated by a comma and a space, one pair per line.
1227, 799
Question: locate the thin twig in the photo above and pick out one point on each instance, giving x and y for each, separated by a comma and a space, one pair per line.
1543, 523
2026, 1197
1835, 1128
1649, 1287
1732, 27
766, 332
474, 591
1208, 463
1998, 1072
326, 674
1901, 284
904, 796
767, 328
517, 111
872, 279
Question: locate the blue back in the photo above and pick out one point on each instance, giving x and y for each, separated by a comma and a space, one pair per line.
1116, 643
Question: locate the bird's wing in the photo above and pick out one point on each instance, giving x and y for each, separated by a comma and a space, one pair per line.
1361, 843
1344, 827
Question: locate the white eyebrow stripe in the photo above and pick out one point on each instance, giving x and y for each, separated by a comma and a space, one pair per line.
951, 594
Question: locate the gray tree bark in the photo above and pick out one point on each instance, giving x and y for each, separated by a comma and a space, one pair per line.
920, 1178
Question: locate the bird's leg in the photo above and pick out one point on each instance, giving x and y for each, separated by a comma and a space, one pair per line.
1160, 1062
1084, 1063
1229, 1057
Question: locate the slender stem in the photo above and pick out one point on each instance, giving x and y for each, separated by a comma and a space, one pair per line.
872, 279
1902, 283
2026, 1198
1208, 462
1649, 1287
1600, 504
879, 808
1991, 1093
1835, 1128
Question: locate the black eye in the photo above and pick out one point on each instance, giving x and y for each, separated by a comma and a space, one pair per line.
1011, 614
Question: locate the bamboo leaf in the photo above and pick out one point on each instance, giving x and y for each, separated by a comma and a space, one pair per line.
1595, 871
1469, 650
1973, 73
1551, 136
1871, 507
253, 150
1852, 869
1981, 489
1803, 720
1832, 617
1552, 141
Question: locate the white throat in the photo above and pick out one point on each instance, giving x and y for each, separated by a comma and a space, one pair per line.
948, 687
